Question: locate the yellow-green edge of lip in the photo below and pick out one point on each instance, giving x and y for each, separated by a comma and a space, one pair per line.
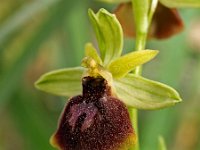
127, 144
53, 142
130, 142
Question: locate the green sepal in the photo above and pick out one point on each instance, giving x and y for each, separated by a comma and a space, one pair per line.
181, 3
141, 93
90, 51
161, 143
124, 64
108, 33
62, 82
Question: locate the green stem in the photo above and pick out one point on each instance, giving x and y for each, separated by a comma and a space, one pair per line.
140, 45
143, 11
134, 121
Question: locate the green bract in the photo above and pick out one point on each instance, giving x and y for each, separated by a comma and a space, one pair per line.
134, 91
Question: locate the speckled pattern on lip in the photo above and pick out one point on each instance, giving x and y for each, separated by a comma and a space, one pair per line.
94, 120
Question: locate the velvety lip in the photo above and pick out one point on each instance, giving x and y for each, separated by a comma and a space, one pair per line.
94, 121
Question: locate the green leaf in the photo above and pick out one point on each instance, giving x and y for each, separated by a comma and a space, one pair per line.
90, 51
122, 65
63, 82
181, 3
161, 143
108, 33
141, 93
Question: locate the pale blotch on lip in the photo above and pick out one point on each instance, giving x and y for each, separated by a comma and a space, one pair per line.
89, 110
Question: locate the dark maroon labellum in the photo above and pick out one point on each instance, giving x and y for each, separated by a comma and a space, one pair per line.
94, 120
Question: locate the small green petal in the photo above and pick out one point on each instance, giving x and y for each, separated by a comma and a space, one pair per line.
181, 3
108, 33
142, 93
90, 51
122, 65
63, 82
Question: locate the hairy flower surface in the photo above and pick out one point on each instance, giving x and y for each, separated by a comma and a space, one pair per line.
94, 120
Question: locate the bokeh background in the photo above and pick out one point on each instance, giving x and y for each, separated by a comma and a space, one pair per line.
37, 36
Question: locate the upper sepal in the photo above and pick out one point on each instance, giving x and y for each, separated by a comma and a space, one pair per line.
108, 33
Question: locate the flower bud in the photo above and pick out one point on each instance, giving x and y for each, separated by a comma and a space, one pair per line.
166, 21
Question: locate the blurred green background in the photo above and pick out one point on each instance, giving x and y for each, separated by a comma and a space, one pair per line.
37, 36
